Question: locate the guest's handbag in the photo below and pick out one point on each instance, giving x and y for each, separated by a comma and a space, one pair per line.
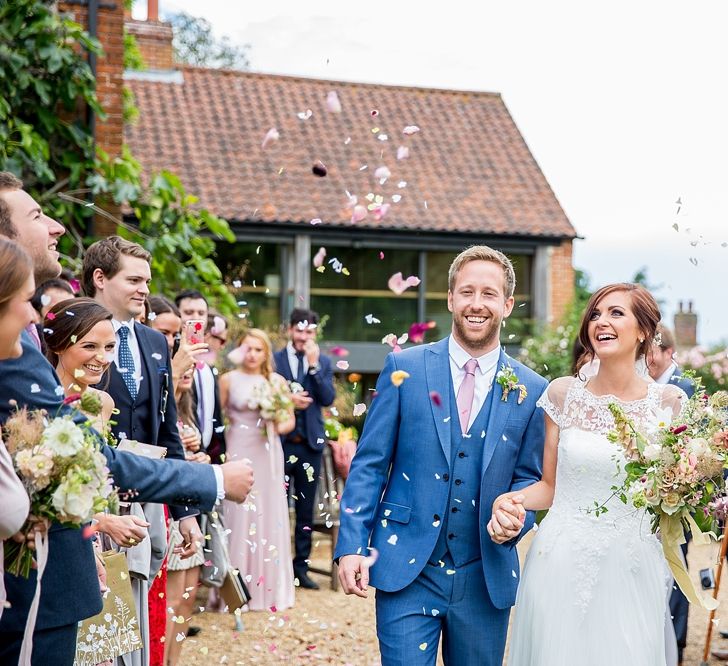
115, 630
217, 570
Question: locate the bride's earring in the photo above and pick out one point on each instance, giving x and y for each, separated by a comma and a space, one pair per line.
641, 340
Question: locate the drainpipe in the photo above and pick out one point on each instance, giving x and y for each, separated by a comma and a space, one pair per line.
93, 29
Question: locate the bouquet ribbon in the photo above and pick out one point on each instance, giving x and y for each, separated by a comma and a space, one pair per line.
41, 554
673, 536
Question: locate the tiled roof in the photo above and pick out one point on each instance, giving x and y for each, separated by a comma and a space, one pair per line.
469, 169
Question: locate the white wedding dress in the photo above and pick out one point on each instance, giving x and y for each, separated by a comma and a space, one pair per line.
593, 588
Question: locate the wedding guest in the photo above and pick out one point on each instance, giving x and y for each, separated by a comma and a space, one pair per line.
193, 307
183, 576
16, 314
49, 293
29, 381
664, 370
301, 362
260, 540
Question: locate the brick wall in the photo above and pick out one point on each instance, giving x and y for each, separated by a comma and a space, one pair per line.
562, 280
154, 39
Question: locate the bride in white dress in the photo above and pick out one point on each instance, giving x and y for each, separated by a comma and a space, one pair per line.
593, 587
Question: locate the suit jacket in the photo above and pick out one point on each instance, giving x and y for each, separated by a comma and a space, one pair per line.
213, 432
392, 488
159, 427
684, 383
70, 590
320, 387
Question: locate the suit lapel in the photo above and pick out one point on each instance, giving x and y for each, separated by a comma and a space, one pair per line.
150, 370
437, 371
499, 412
117, 387
284, 367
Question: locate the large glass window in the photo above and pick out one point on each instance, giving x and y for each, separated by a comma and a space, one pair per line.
360, 289
436, 310
253, 272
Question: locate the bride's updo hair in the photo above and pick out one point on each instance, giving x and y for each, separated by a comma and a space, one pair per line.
644, 308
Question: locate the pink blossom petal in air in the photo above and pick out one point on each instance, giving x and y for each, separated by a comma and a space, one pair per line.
382, 173
318, 260
402, 153
342, 365
380, 212
333, 105
270, 137
359, 213
339, 351
399, 285
237, 355
410, 130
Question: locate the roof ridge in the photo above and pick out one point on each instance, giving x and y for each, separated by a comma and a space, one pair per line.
312, 79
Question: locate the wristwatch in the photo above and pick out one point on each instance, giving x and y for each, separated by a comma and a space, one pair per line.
313, 369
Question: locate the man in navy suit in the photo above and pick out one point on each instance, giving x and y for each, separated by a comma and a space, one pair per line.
70, 590
300, 361
664, 370
116, 273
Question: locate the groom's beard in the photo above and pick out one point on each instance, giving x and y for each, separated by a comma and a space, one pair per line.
482, 340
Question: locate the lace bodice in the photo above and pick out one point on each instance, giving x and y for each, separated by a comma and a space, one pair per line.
589, 466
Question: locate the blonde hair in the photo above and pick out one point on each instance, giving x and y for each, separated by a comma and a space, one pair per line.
484, 253
266, 368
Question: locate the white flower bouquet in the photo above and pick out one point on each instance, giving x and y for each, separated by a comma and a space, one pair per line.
63, 470
273, 402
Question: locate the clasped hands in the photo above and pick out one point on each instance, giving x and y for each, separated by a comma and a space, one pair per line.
507, 519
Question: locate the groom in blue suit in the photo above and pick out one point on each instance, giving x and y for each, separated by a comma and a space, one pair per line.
453, 425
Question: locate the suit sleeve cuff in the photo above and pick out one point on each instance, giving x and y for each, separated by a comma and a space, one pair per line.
220, 480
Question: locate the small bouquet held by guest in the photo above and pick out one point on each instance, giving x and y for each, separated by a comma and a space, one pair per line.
273, 400
62, 468
675, 472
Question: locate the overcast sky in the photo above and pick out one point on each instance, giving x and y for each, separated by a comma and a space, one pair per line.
623, 104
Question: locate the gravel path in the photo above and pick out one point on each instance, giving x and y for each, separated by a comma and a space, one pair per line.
328, 627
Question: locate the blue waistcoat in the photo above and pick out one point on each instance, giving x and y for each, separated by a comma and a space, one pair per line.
460, 533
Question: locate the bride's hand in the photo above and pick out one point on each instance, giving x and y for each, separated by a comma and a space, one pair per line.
508, 518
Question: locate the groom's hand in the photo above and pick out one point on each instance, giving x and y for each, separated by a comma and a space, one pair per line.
354, 574
507, 520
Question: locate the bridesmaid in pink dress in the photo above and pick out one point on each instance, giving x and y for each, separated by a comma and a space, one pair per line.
260, 537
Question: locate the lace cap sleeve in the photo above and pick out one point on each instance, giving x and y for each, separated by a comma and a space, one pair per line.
553, 399
674, 398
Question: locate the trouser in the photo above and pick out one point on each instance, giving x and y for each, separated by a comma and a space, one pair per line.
302, 482
448, 600
679, 607
51, 647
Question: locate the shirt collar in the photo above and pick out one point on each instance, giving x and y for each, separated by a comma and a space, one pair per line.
666, 376
486, 362
118, 324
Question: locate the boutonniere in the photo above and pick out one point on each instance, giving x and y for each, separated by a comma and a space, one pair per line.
508, 381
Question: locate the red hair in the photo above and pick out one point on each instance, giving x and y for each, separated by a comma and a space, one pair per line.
644, 308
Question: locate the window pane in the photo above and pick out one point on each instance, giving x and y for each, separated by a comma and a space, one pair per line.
348, 298
258, 270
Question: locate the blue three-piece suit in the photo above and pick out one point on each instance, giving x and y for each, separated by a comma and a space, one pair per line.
421, 493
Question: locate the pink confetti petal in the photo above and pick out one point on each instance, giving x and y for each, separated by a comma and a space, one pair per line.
402, 153
360, 212
333, 105
417, 330
339, 351
381, 255
410, 130
436, 399
342, 365
237, 355
75, 285
380, 212
399, 285
382, 173
318, 260
271, 137
50, 316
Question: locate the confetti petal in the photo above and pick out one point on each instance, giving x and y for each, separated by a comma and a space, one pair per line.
399, 285
271, 136
333, 105
398, 376
410, 130
342, 365
402, 153
359, 213
318, 260
359, 409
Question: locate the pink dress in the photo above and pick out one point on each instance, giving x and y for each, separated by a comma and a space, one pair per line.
260, 535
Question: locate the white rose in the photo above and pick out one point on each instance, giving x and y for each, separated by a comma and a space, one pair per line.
698, 446
73, 502
63, 437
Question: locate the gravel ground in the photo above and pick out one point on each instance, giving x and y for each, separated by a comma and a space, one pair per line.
330, 628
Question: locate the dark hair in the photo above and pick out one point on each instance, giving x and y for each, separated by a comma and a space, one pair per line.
189, 293
644, 308
8, 182
69, 321
16, 267
303, 315
53, 283
159, 304
106, 255
577, 352
211, 317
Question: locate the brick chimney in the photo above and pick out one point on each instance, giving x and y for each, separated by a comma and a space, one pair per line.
686, 326
153, 37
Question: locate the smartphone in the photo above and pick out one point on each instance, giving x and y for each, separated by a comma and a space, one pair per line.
194, 331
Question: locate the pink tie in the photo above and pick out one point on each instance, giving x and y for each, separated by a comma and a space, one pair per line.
465, 394
33, 333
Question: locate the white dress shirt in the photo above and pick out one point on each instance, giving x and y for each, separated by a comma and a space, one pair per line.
293, 361
133, 346
484, 374
666, 376
205, 388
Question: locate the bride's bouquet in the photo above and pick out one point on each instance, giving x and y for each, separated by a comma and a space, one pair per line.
63, 470
273, 401
675, 471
